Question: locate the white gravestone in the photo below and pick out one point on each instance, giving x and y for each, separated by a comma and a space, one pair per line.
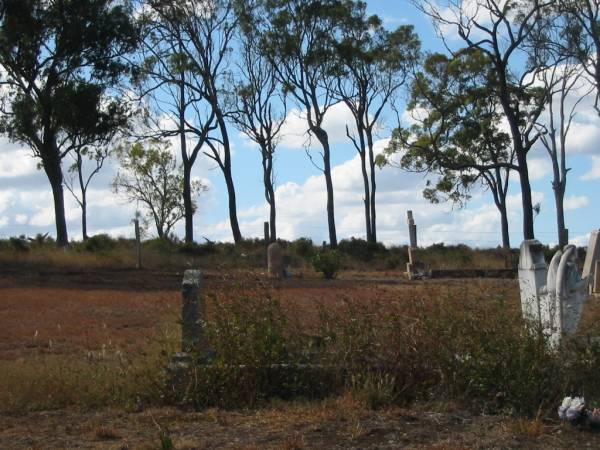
591, 257
551, 296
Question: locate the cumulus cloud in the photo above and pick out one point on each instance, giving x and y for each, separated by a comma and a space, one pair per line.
15, 161
576, 202
594, 172
301, 210
294, 132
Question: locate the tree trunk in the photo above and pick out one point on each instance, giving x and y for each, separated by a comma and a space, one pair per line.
504, 225
53, 170
272, 217
324, 140
84, 215
269, 191
187, 203
373, 186
235, 228
559, 197
367, 196
187, 164
226, 168
526, 201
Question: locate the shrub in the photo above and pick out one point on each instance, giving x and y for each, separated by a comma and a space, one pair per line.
99, 243
303, 247
360, 249
19, 244
193, 248
162, 246
327, 262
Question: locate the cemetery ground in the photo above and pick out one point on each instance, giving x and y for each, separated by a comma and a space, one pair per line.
442, 364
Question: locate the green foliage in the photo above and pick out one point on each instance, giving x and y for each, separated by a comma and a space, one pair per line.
327, 262
303, 247
150, 175
360, 249
99, 243
18, 244
457, 138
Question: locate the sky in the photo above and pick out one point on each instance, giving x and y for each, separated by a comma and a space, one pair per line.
26, 205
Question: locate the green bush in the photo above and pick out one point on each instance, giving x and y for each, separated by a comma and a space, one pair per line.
99, 243
360, 249
161, 246
19, 244
327, 262
303, 247
193, 248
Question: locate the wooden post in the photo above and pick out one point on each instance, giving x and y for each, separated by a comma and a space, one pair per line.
138, 244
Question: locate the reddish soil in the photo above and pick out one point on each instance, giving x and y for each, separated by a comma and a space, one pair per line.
75, 312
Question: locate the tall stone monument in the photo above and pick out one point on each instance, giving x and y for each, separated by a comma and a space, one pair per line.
414, 268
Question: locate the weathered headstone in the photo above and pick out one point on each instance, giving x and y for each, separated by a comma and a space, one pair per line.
412, 229
552, 296
597, 279
191, 312
192, 309
414, 268
275, 260
592, 255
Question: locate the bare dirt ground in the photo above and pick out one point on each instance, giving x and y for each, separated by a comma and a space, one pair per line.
71, 313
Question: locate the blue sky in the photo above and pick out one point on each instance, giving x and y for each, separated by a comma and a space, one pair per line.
26, 201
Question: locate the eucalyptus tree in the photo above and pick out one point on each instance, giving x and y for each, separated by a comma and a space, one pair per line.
567, 89
457, 136
260, 112
377, 63
170, 89
59, 63
299, 39
208, 29
149, 176
501, 29
580, 36
78, 180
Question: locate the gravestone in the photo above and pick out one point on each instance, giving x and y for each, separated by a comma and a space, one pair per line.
552, 296
412, 229
596, 290
191, 312
414, 268
591, 257
275, 260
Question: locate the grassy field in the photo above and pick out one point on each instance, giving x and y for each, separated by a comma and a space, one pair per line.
443, 364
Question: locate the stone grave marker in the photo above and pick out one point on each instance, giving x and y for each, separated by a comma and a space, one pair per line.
591, 257
275, 260
552, 296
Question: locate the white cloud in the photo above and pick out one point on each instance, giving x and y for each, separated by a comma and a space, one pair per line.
294, 134
301, 210
15, 162
21, 219
594, 172
539, 168
576, 202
